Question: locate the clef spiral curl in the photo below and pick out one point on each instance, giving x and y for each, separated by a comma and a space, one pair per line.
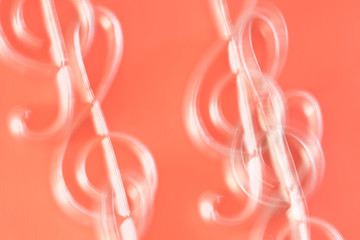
271, 144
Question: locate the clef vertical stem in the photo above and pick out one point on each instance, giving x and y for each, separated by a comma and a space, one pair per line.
54, 30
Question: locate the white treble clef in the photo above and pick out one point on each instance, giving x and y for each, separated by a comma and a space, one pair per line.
110, 211
261, 162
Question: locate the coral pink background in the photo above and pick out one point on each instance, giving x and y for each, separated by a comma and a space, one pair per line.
164, 40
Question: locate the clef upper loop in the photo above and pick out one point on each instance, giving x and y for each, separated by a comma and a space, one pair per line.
55, 66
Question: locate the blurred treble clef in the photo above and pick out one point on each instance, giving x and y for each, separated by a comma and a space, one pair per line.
275, 158
107, 204
109, 201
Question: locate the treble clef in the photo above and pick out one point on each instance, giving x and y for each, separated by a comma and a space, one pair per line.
107, 205
275, 160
